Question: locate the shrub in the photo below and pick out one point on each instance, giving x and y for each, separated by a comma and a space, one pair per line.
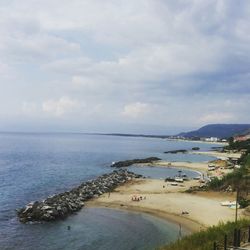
204, 239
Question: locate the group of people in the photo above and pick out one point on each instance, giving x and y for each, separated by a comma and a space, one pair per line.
137, 198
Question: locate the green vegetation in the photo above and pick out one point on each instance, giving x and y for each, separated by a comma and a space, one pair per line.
236, 179
204, 240
239, 178
247, 160
238, 145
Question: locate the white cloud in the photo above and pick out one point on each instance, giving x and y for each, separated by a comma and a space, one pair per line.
136, 110
38, 46
60, 107
144, 65
6, 72
3, 68
23, 38
217, 117
166, 54
29, 108
87, 83
69, 66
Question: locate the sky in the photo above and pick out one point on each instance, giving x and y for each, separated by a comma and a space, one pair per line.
144, 66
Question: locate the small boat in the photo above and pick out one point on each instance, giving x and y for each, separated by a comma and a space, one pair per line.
211, 168
234, 206
170, 179
225, 203
184, 176
228, 203
178, 179
174, 184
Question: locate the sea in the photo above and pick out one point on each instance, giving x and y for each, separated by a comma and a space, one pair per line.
34, 166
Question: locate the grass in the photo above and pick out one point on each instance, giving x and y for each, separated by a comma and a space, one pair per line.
205, 239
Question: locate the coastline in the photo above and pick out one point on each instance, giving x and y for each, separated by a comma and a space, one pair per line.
200, 167
195, 166
104, 201
219, 155
168, 203
126, 190
189, 225
196, 141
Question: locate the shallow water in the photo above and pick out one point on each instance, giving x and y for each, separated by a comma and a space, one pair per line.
97, 228
162, 173
33, 166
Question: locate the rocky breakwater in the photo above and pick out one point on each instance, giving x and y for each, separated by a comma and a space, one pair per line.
183, 151
127, 163
61, 205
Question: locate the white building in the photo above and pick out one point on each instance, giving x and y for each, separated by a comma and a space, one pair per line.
212, 139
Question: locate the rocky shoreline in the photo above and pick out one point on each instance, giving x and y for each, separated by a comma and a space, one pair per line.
61, 205
127, 163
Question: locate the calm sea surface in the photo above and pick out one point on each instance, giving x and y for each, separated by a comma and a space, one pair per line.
33, 166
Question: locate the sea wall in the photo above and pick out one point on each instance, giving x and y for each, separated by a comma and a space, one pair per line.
61, 205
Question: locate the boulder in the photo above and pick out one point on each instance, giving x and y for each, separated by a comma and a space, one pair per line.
61, 205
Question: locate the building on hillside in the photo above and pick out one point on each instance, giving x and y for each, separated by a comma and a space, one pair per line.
242, 137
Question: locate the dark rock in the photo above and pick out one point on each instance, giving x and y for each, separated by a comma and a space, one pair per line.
195, 148
183, 151
128, 163
169, 179
61, 205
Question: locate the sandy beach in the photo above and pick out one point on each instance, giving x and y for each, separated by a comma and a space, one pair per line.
219, 143
197, 166
170, 202
201, 167
219, 155
194, 211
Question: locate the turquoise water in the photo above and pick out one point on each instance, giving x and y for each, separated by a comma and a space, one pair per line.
33, 166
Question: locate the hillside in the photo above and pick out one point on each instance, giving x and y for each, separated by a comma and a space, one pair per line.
217, 130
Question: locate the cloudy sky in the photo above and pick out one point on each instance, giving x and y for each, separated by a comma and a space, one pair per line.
151, 66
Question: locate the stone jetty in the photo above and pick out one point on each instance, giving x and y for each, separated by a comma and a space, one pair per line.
183, 151
128, 163
61, 205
